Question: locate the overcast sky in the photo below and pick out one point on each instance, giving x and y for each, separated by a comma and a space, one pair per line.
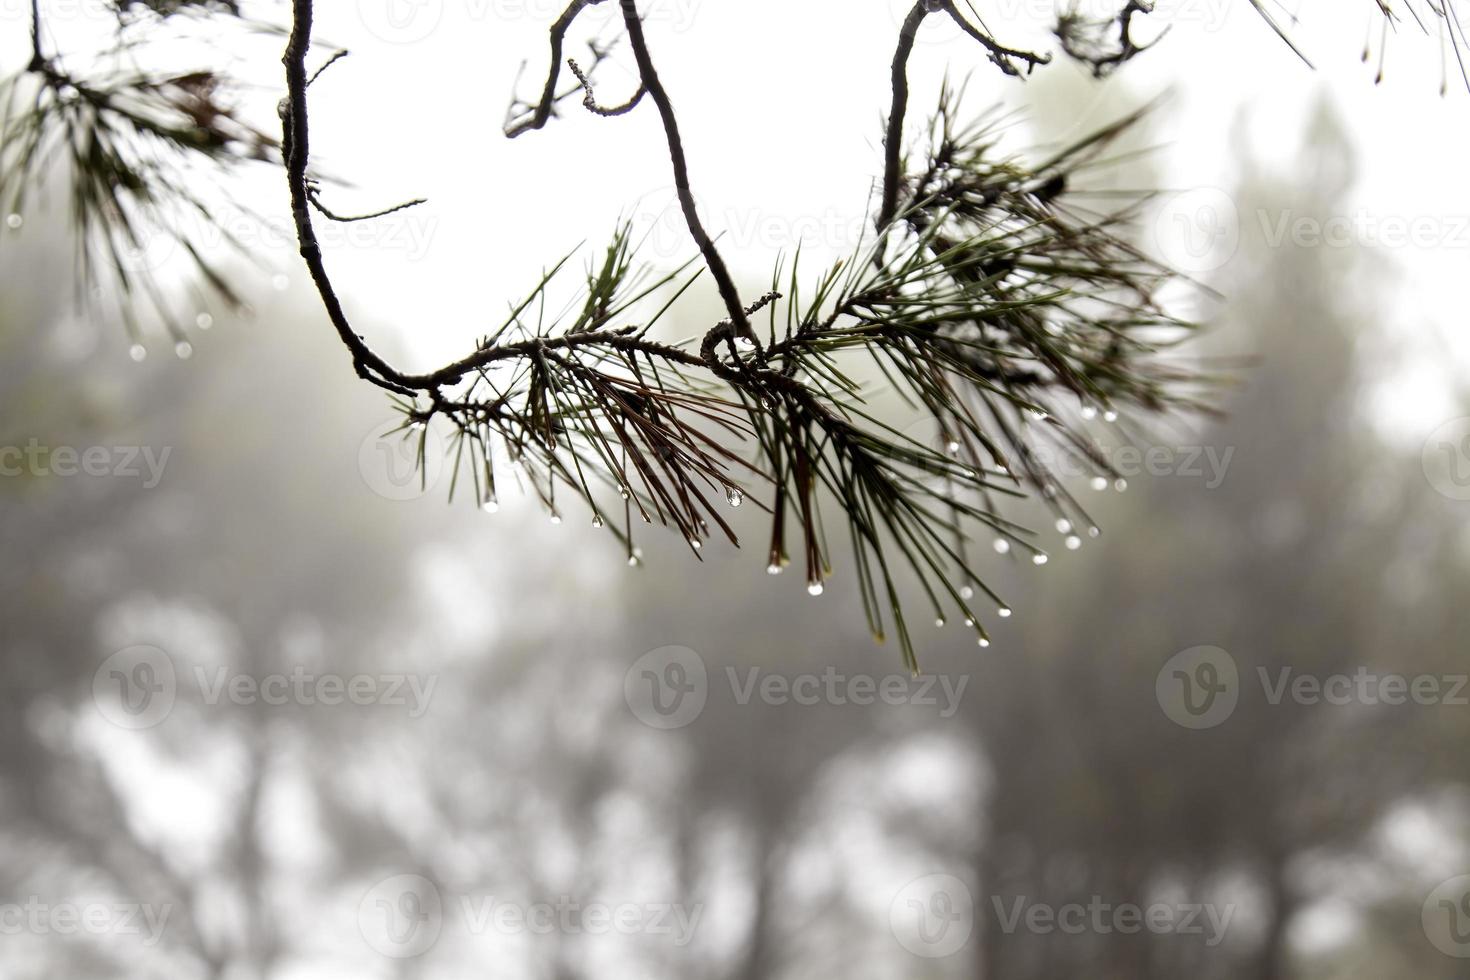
781, 104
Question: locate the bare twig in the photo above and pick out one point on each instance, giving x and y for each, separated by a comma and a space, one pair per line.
656, 91
590, 98
543, 110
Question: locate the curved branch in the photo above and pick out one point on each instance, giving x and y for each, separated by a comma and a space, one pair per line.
541, 115
660, 96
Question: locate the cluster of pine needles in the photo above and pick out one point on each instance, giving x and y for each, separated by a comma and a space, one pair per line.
997, 313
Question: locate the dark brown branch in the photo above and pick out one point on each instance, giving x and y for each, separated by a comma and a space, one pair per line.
296, 143
893, 143
712, 259
543, 110
38, 60
1003, 56
590, 98
314, 195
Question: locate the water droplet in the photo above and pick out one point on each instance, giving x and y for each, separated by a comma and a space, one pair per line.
632, 561
1088, 412
624, 492
1121, 485
1073, 542
490, 505
417, 425
1094, 532
983, 642
1063, 525
1099, 483
555, 518
204, 321
137, 352
774, 568
815, 588
184, 349
1004, 612
953, 448
14, 221
1039, 559
1002, 546
939, 622
969, 620
1038, 415
695, 543
280, 282
597, 520
1110, 416
735, 496
967, 593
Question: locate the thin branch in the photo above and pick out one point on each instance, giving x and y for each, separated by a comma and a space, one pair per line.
893, 144
296, 145
547, 105
590, 98
314, 195
338, 56
38, 60
660, 97
999, 53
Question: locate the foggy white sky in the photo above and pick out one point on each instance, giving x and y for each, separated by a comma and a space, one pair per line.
781, 104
